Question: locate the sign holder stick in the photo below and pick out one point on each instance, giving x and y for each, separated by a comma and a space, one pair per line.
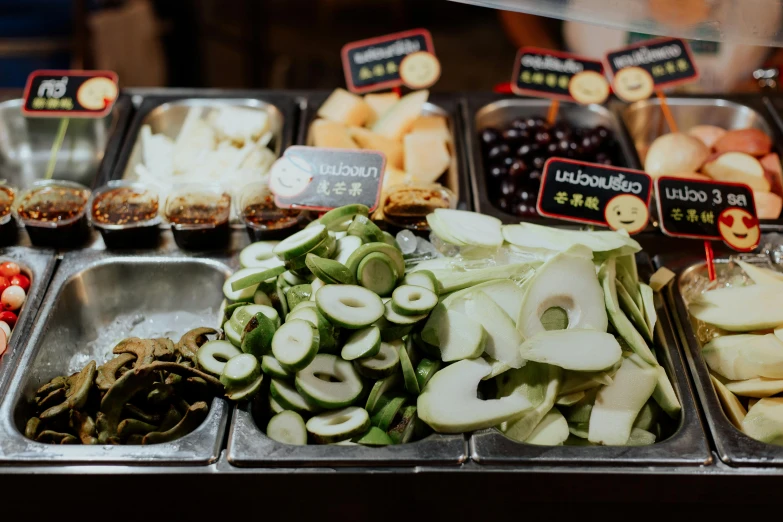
709, 254
551, 116
58, 142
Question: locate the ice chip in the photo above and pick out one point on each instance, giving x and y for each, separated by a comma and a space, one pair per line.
407, 241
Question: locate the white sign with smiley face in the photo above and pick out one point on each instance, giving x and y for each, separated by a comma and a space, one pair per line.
290, 176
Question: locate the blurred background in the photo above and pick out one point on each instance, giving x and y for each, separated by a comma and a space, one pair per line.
296, 43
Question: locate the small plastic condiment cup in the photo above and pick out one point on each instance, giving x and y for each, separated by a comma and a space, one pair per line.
199, 216
127, 215
54, 213
263, 219
9, 230
406, 206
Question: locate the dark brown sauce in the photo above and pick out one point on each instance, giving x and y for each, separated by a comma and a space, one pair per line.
183, 212
123, 206
54, 205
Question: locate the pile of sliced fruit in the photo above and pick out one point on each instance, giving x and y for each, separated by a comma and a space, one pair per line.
746, 358
358, 349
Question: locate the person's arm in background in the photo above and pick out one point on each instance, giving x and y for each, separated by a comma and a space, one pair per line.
530, 30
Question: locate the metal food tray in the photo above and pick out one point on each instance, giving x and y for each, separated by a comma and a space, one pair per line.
687, 446
88, 294
733, 447
87, 154
38, 265
248, 446
495, 110
458, 176
644, 122
165, 111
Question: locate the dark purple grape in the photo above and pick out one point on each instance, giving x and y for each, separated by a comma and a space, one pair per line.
519, 123
561, 133
497, 152
534, 176
532, 122
498, 171
527, 196
552, 149
603, 132
543, 137
525, 151
507, 161
563, 146
515, 136
538, 162
600, 157
518, 168
504, 203
489, 136
525, 209
540, 121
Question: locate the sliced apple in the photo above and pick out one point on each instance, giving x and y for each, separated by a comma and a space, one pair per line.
618, 404
760, 387
457, 335
733, 408
740, 309
432, 125
449, 402
675, 152
738, 167
568, 282
551, 431
346, 108
398, 120
330, 134
380, 103
503, 340
749, 141
573, 349
372, 141
707, 134
768, 204
426, 157
764, 421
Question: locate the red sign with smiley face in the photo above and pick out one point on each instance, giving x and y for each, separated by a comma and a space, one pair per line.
708, 210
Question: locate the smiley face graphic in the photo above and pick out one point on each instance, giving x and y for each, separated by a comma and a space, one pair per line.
420, 70
633, 84
97, 93
739, 229
290, 176
627, 211
588, 87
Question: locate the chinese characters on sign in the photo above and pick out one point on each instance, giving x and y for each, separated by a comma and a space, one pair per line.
322, 179
563, 76
374, 64
595, 194
708, 210
86, 94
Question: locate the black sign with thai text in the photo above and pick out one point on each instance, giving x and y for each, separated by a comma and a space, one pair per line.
70, 94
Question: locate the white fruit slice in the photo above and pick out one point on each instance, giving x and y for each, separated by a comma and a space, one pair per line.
760, 387
762, 276
367, 139
740, 309
471, 228
399, 119
434, 126
449, 402
452, 280
527, 235
551, 431
617, 405
426, 157
331, 134
538, 382
380, 103
346, 108
457, 335
568, 282
573, 349
733, 408
503, 339
648, 302
665, 395
738, 167
764, 421
768, 204
742, 357
505, 293
640, 437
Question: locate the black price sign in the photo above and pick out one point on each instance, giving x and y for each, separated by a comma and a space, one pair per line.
640, 69
561, 76
708, 210
323, 179
70, 94
595, 194
374, 64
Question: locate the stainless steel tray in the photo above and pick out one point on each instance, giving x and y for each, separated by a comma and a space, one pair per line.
99, 298
644, 122
165, 112
38, 265
686, 446
456, 179
494, 110
88, 151
248, 446
733, 447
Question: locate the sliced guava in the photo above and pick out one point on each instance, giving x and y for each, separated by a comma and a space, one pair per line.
573, 349
457, 335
